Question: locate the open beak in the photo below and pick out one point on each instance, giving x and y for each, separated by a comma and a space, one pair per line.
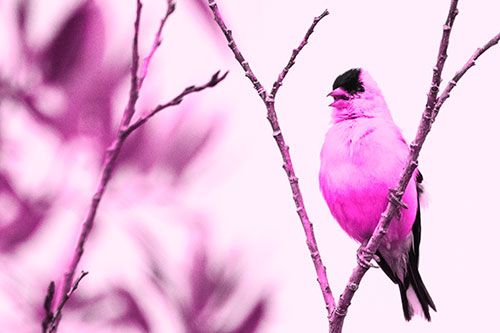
338, 95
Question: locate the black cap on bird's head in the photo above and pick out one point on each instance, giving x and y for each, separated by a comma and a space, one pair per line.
355, 94
350, 82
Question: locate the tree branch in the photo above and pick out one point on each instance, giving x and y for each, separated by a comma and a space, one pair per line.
442, 56
134, 84
175, 101
237, 54
295, 52
113, 151
431, 109
284, 149
458, 75
57, 315
157, 42
386, 217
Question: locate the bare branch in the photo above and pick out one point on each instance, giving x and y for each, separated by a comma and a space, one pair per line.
111, 155
442, 56
237, 54
113, 151
57, 315
156, 43
395, 196
295, 52
134, 84
284, 149
175, 101
47, 306
458, 75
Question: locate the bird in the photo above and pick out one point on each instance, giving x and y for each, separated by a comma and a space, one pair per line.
362, 158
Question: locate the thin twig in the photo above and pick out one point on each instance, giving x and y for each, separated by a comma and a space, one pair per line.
458, 75
442, 56
237, 54
134, 84
284, 149
156, 43
175, 101
47, 306
295, 52
57, 315
113, 151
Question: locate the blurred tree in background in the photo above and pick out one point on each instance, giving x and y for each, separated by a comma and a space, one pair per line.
149, 256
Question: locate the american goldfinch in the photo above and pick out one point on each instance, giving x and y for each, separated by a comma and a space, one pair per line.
363, 155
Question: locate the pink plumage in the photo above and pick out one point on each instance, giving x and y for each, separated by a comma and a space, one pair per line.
363, 156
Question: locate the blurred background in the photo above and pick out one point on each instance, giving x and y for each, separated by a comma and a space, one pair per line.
197, 231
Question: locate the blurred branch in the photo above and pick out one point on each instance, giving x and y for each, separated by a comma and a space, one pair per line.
134, 86
55, 317
47, 305
113, 151
268, 100
212, 286
156, 43
214, 80
395, 196
28, 100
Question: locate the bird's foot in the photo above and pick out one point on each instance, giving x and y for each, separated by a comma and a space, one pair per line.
362, 256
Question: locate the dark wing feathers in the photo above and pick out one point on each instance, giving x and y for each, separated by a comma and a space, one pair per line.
412, 276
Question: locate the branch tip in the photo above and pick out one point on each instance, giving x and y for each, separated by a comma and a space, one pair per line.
51, 326
216, 79
325, 12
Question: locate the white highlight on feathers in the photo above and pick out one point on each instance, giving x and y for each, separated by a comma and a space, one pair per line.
413, 302
424, 197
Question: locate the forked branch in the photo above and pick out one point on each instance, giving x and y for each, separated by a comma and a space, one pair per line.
126, 128
431, 110
268, 100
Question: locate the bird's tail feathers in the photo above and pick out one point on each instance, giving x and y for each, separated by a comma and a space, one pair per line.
414, 296
418, 296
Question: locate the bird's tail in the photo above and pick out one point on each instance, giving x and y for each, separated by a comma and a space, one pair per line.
417, 295
414, 296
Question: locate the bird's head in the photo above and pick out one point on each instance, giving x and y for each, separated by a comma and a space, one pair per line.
355, 94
